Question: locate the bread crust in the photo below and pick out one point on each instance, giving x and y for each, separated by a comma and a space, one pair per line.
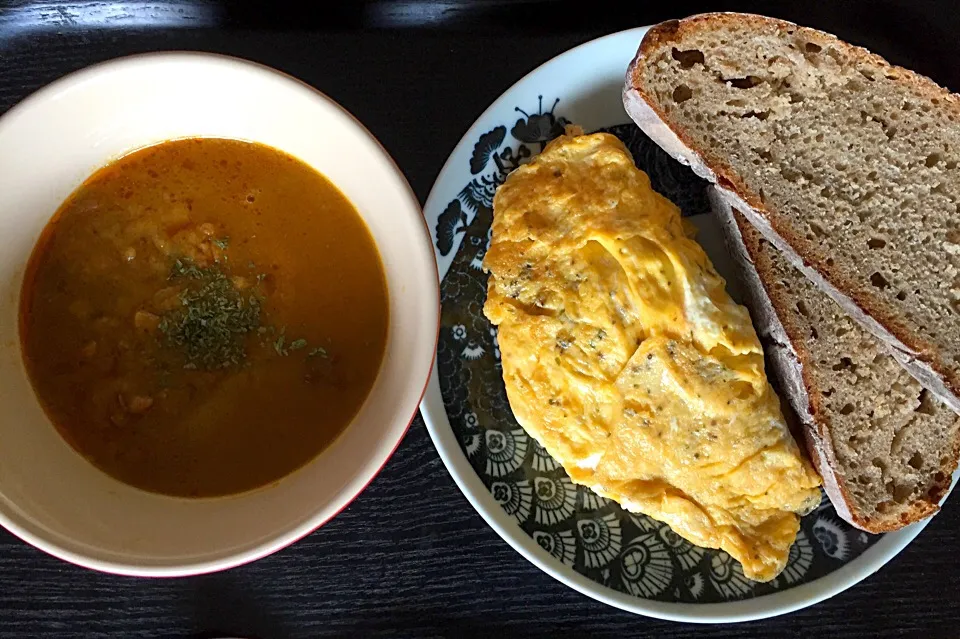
917, 356
792, 362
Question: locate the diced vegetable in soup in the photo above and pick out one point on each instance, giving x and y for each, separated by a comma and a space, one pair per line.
204, 316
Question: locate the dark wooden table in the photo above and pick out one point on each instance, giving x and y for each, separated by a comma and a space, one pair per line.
410, 557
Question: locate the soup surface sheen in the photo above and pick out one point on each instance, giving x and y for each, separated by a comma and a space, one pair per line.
204, 316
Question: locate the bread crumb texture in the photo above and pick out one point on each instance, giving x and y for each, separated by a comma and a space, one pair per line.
895, 444
855, 162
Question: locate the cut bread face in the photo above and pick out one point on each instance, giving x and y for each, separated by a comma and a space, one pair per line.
885, 447
848, 165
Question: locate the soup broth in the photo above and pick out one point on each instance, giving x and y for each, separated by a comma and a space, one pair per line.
204, 316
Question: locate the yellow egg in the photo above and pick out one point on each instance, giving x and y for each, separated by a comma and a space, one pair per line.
626, 358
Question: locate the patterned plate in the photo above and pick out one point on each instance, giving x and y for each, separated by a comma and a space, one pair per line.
627, 560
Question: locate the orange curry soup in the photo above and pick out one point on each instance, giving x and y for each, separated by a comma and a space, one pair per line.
203, 317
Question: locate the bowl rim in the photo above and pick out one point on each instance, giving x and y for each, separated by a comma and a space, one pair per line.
468, 480
309, 524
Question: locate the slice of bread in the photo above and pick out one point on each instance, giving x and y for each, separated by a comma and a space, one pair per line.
848, 165
886, 449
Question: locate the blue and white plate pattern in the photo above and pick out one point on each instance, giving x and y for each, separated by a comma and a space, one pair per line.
628, 552
625, 559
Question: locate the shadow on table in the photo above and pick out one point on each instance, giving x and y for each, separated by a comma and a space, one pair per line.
421, 623
226, 610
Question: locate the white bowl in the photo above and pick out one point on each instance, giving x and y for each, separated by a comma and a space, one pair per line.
51, 496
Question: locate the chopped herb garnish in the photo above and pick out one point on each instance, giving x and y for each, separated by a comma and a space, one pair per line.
319, 351
185, 268
213, 318
222, 243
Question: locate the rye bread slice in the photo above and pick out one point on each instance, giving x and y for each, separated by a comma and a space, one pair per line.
848, 165
885, 447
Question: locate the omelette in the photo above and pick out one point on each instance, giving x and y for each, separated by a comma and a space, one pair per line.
624, 356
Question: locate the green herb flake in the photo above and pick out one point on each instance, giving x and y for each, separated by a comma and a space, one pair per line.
183, 268
319, 351
221, 243
278, 346
297, 344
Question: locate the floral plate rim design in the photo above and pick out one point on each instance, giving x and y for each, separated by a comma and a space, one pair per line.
606, 56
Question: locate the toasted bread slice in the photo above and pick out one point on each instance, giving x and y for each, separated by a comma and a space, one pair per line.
885, 447
848, 165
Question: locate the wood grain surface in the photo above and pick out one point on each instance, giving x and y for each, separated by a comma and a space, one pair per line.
410, 557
